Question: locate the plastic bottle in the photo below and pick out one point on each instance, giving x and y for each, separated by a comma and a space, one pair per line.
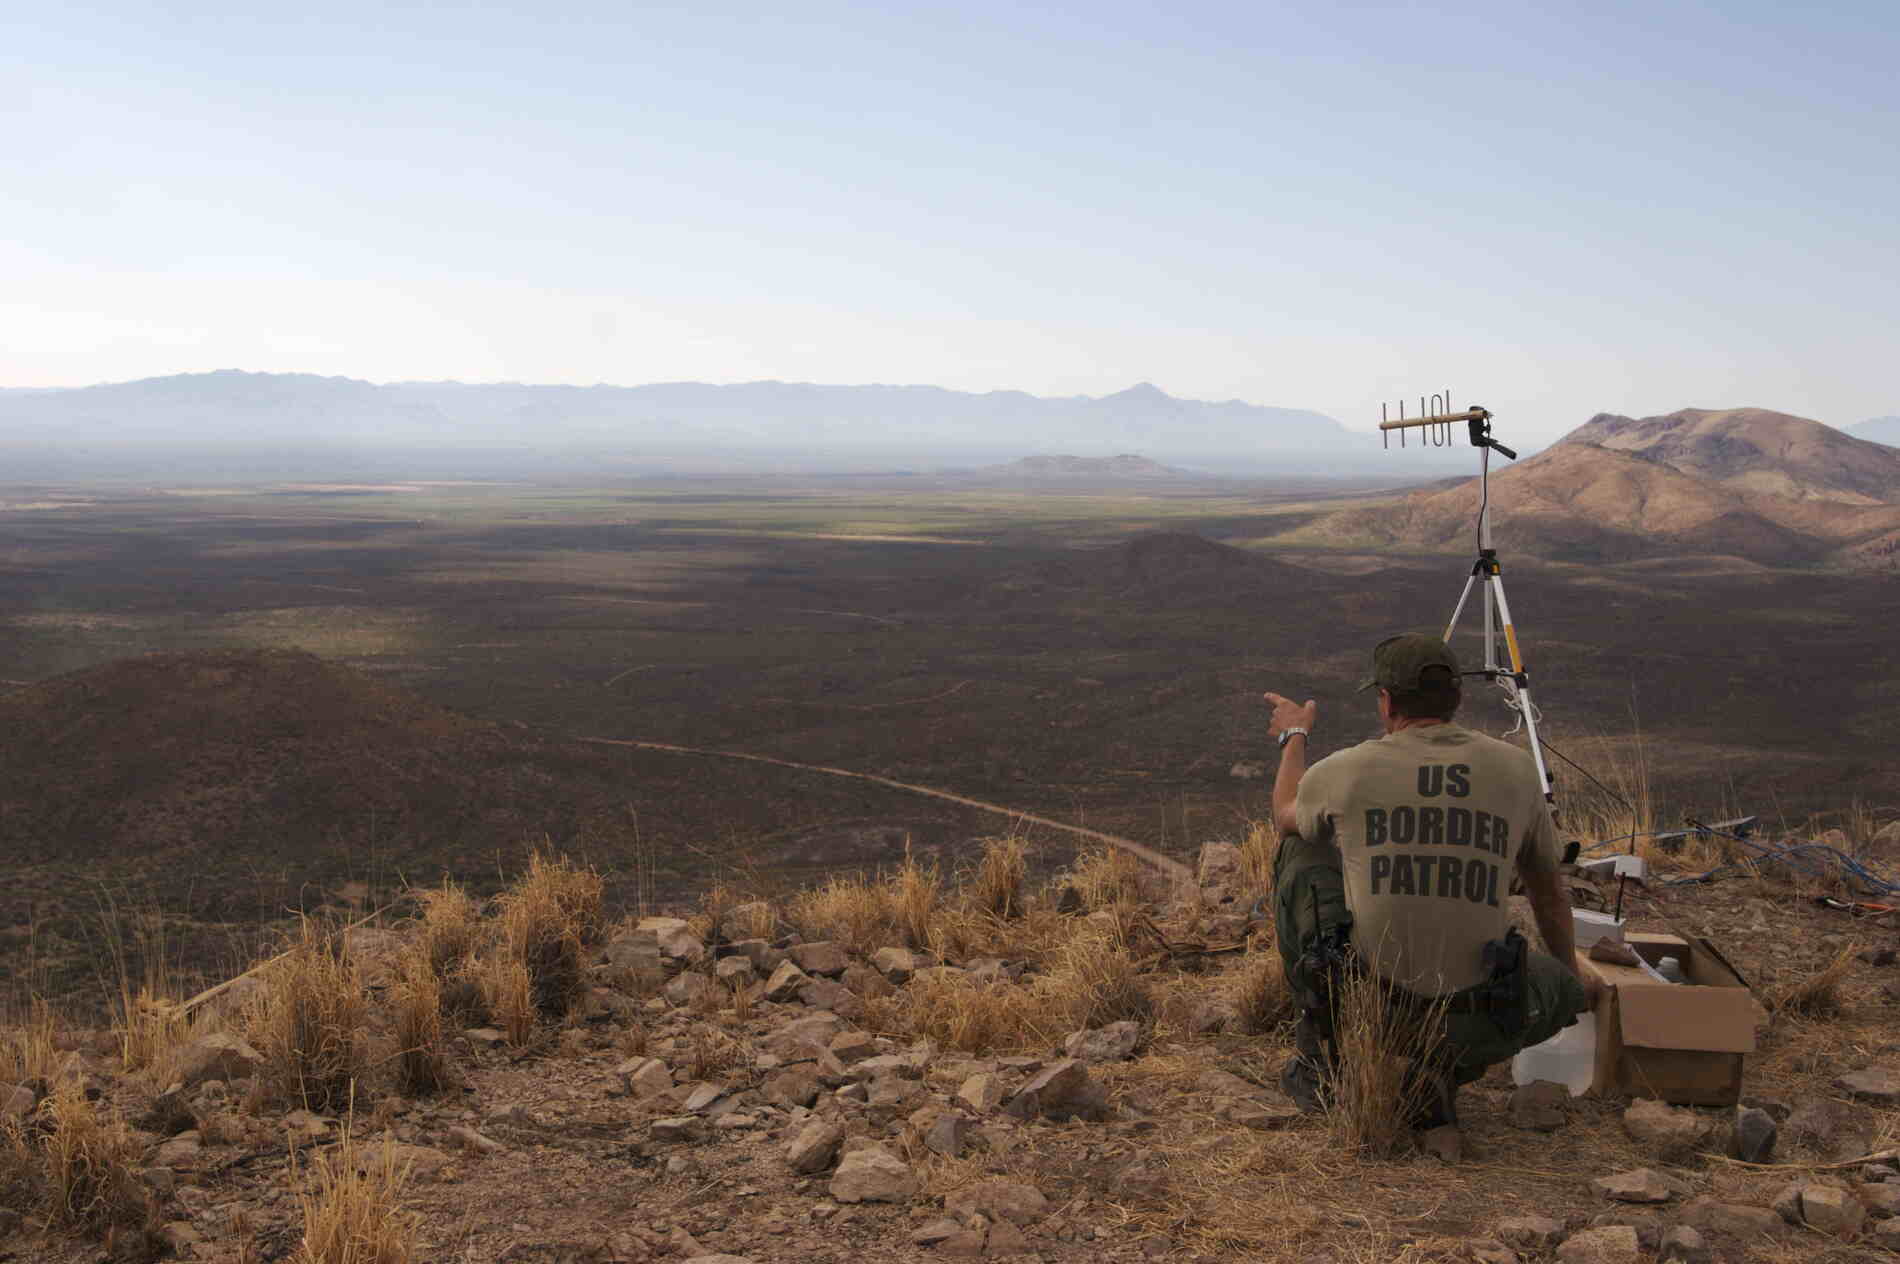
1568, 1058
1670, 968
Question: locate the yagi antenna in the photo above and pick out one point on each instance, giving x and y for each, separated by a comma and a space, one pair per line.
1436, 419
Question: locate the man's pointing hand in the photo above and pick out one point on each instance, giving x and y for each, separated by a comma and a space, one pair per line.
1288, 714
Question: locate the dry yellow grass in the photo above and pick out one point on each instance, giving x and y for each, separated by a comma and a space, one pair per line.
1257, 850
548, 919
1105, 877
88, 1163
960, 1013
450, 927
421, 1062
28, 1049
863, 913
1265, 1001
508, 997
1373, 1092
997, 885
1096, 981
307, 1020
352, 1209
1817, 995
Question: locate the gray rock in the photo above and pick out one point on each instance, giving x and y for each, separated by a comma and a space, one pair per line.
1219, 867
1114, 1043
677, 1128
932, 1232
692, 988
815, 1147
1444, 1142
734, 972
832, 995
1829, 1129
898, 964
1882, 1200
1887, 1234
949, 1134
805, 1037
1642, 1185
644, 1077
785, 982
763, 957
1877, 1084
997, 1201
824, 958
217, 1056
851, 1047
1832, 1210
1208, 1018
682, 945
1738, 1220
873, 1174
1668, 1132
17, 1101
1787, 1203
1682, 1244
1753, 1140
1611, 1244
1540, 1106
1060, 1092
1487, 1251
793, 1087
1533, 1233
703, 1099
983, 1092
474, 1142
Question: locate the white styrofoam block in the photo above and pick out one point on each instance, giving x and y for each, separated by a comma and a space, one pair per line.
1590, 926
1617, 866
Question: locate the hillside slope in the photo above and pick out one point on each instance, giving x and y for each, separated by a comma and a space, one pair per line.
1754, 450
1747, 483
255, 761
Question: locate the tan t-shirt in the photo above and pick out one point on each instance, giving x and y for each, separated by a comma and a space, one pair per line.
1432, 823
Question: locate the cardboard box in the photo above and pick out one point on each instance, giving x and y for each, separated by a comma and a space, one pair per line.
1684, 1043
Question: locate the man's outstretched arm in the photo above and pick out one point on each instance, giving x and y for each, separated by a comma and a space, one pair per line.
1550, 908
1288, 714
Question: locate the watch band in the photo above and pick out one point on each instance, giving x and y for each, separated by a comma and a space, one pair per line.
1288, 733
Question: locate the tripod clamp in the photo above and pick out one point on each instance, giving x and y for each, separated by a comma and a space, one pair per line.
1478, 426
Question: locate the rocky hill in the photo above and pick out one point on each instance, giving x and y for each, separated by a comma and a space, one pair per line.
1747, 483
1754, 450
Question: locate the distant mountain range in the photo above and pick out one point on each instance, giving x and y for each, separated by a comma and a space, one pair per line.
1880, 429
1744, 482
450, 427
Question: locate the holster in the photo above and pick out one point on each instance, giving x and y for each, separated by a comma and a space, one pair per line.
1505, 990
1325, 963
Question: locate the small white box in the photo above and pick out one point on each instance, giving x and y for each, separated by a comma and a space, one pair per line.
1617, 867
1590, 926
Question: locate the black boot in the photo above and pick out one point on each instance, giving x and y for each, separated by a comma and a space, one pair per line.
1304, 1077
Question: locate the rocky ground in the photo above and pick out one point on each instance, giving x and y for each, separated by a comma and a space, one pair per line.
717, 1097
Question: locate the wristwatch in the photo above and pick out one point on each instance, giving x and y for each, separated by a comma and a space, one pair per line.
1287, 733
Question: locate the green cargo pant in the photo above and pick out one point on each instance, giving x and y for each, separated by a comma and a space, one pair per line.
1309, 898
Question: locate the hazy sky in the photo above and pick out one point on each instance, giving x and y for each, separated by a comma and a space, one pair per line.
1554, 209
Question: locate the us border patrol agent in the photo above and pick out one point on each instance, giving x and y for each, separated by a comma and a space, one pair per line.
1397, 858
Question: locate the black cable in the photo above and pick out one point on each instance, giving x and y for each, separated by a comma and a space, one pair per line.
1595, 780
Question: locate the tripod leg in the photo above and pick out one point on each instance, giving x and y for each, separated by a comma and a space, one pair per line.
1459, 609
1521, 680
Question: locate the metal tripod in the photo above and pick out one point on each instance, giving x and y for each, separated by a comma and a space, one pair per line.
1509, 675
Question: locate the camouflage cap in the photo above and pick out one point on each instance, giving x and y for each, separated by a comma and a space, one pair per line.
1399, 663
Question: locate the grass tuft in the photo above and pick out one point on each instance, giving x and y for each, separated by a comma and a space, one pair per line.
352, 1209
508, 996
421, 1064
1373, 1094
450, 926
307, 1020
1817, 995
1266, 1002
996, 887
1105, 877
864, 914
548, 919
88, 1161
1096, 981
